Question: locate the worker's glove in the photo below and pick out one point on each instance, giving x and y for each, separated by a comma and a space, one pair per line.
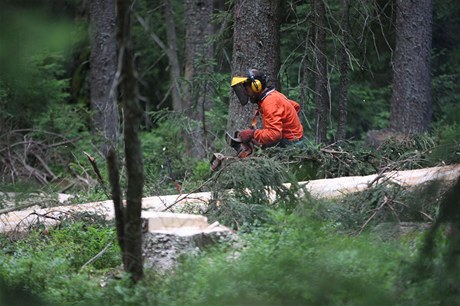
246, 135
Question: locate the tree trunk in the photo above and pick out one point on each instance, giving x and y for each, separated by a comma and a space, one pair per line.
306, 88
174, 66
103, 63
321, 85
198, 91
221, 31
344, 70
256, 44
116, 194
132, 255
411, 108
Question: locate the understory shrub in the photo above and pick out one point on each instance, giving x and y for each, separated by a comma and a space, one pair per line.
298, 258
433, 278
71, 244
295, 262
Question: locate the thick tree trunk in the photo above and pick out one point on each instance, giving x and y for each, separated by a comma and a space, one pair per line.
198, 92
411, 108
255, 45
321, 85
132, 255
103, 64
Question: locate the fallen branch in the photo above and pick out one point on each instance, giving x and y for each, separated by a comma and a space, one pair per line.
16, 208
180, 198
23, 156
376, 210
93, 163
97, 255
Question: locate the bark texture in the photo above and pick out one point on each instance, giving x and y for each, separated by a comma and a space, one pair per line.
198, 93
103, 63
174, 65
256, 44
344, 70
411, 108
132, 111
321, 84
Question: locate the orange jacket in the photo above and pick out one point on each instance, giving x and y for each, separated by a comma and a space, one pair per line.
279, 119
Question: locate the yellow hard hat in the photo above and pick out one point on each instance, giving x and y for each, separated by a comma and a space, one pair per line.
239, 80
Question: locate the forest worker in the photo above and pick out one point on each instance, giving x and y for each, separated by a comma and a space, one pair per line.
280, 119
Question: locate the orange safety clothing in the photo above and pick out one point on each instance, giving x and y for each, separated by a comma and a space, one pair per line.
279, 119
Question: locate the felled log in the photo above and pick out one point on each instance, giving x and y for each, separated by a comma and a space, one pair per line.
323, 188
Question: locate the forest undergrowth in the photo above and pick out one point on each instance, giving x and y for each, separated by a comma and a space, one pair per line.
316, 254
387, 245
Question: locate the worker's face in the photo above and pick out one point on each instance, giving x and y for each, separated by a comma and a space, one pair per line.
245, 93
249, 92
241, 93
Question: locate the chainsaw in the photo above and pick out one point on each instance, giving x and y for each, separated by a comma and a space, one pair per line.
243, 150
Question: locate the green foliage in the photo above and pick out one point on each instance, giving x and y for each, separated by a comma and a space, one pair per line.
296, 262
201, 171
81, 242
446, 94
164, 146
252, 179
383, 202
244, 188
33, 92
296, 259
24, 100
412, 152
368, 108
354, 158
75, 244
159, 146
18, 296
248, 179
66, 120
433, 278
343, 158
447, 149
31, 56
48, 265
216, 117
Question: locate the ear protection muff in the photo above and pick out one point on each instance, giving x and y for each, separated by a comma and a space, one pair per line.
256, 84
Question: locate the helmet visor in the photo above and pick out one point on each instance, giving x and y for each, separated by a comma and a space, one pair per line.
241, 93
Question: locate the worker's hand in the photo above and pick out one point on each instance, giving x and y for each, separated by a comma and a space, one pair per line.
246, 135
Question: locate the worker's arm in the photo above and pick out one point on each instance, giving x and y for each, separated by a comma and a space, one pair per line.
272, 115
